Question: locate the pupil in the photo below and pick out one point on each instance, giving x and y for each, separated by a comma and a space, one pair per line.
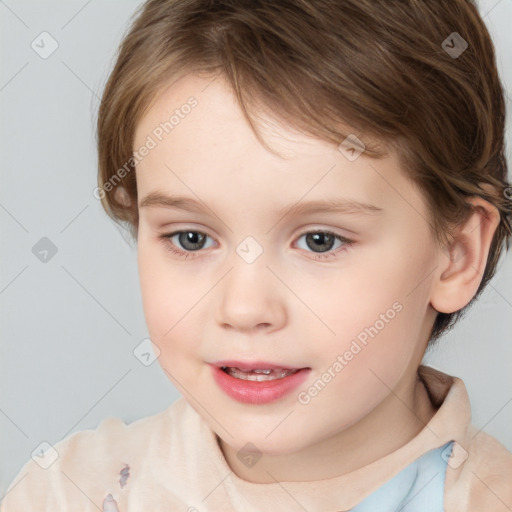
320, 241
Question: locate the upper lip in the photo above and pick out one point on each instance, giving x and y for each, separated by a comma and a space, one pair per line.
255, 365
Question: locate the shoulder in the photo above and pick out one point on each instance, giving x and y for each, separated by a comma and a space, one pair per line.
481, 478
85, 466
479, 470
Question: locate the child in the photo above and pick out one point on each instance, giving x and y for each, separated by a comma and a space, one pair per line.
238, 138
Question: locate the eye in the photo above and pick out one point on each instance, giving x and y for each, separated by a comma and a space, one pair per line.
187, 243
191, 241
324, 242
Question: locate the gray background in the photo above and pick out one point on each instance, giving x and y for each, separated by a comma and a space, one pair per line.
70, 325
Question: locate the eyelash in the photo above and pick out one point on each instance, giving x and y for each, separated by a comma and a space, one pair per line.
347, 243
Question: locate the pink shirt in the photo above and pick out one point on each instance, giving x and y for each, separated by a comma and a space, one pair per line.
172, 461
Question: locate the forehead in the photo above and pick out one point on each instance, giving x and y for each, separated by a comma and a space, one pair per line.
201, 140
215, 105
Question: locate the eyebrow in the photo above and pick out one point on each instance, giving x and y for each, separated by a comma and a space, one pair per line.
336, 205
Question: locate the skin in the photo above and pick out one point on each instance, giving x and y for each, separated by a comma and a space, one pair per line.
293, 304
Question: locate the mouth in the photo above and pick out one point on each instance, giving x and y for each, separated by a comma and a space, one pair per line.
257, 382
257, 370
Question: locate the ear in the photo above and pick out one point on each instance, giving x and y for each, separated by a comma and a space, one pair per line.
121, 196
463, 260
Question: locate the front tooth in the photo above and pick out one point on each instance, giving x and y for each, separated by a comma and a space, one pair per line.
251, 375
252, 371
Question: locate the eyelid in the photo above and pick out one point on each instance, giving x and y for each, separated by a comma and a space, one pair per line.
322, 230
345, 235
315, 227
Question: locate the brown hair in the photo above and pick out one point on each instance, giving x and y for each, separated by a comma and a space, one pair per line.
381, 67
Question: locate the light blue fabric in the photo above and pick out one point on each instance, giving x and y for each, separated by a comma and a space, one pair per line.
417, 488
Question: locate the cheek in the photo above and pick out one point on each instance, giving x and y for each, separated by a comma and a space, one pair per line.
377, 313
352, 300
168, 293
372, 350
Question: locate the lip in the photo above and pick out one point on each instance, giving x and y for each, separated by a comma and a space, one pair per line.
254, 392
254, 365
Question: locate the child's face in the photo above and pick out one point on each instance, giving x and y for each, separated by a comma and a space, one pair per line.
357, 317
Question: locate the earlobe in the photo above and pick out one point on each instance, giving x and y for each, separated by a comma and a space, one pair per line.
463, 260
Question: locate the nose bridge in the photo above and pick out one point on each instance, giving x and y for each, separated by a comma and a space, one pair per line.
248, 293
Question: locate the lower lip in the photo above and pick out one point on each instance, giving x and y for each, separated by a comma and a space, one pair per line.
254, 392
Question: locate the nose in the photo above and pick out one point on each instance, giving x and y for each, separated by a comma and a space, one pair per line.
249, 298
